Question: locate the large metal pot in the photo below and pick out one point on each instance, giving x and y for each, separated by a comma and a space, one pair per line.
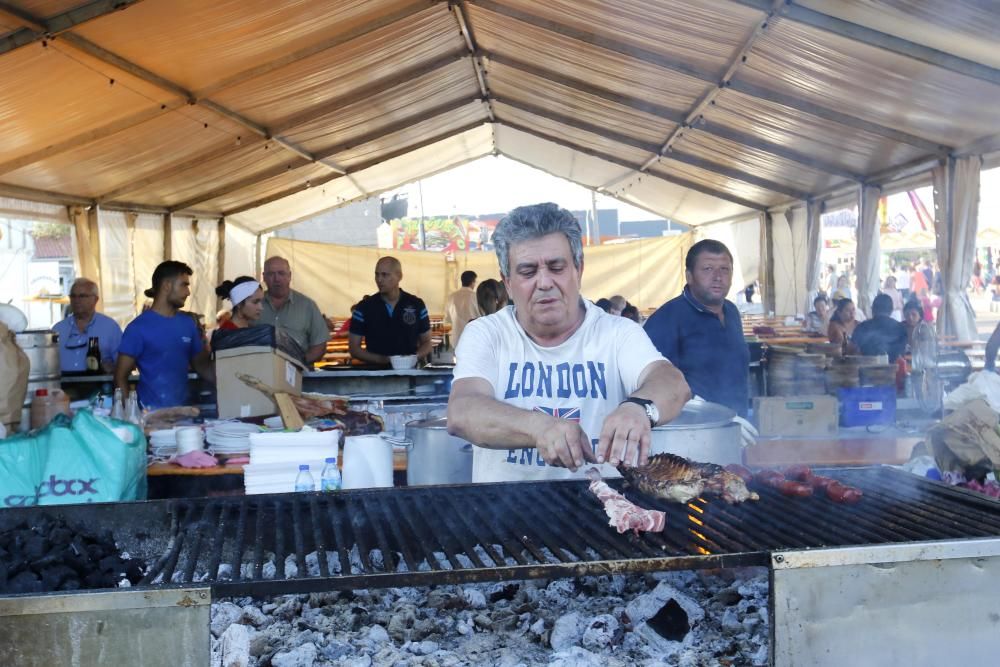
435, 457
703, 432
42, 349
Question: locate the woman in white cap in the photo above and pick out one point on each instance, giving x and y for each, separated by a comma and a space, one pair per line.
247, 298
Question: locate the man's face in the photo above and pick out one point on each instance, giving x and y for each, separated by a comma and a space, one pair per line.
544, 284
278, 278
83, 302
711, 278
179, 290
387, 277
821, 308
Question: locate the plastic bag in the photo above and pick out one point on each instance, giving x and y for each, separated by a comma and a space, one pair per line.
78, 460
264, 335
14, 365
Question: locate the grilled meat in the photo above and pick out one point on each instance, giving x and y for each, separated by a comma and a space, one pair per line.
676, 479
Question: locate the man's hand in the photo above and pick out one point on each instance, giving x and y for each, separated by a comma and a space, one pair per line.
563, 443
626, 436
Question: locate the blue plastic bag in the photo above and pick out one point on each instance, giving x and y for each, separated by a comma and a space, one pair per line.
72, 461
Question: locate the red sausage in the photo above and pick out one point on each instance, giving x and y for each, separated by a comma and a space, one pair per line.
801, 473
797, 489
769, 478
821, 483
740, 471
841, 493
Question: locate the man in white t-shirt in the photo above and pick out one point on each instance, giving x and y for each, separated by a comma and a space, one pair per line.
553, 382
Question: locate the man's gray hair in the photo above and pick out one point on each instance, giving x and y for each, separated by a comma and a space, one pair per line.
88, 284
525, 223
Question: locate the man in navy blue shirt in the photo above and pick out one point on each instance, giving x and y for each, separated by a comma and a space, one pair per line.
392, 322
701, 332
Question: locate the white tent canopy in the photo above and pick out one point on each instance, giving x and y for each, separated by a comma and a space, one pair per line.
265, 112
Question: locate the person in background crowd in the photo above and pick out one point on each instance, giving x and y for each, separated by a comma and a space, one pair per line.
842, 325
461, 307
82, 324
937, 287
701, 332
632, 313
831, 279
929, 303
918, 281
292, 311
247, 298
843, 290
889, 289
748, 292
881, 334
913, 317
554, 382
604, 304
617, 304
817, 320
163, 341
992, 345
391, 321
928, 272
995, 293
902, 276
491, 296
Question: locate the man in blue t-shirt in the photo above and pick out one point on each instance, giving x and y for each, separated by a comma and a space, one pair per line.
701, 332
163, 342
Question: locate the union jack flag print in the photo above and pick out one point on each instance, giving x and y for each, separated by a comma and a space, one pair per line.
571, 414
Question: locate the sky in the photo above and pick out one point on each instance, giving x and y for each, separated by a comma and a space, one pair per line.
498, 184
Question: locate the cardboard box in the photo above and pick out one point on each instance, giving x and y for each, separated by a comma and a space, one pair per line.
865, 406
796, 415
270, 366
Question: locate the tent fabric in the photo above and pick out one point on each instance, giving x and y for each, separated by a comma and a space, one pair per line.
814, 246
697, 110
647, 272
790, 258
956, 203
868, 253
742, 237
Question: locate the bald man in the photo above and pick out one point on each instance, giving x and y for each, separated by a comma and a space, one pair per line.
392, 322
292, 311
82, 324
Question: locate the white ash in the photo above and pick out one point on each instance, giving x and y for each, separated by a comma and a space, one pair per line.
674, 618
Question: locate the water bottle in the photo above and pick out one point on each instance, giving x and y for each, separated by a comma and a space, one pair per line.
118, 407
304, 481
329, 479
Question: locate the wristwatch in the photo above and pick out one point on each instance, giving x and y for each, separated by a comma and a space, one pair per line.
647, 405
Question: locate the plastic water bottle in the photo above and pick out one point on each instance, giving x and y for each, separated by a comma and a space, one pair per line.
304, 481
329, 479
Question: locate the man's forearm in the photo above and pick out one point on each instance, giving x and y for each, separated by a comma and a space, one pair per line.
665, 385
493, 424
425, 347
315, 353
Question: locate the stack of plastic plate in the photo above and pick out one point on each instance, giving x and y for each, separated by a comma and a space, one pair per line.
163, 444
230, 437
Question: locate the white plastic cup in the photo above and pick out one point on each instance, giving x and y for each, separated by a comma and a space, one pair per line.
189, 439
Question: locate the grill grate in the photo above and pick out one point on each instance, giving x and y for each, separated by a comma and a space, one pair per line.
455, 534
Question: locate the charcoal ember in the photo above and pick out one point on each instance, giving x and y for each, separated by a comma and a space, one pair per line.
503, 592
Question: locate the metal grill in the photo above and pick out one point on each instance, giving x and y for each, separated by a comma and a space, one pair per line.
436, 535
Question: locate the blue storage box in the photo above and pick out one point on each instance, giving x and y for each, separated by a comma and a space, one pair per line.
864, 406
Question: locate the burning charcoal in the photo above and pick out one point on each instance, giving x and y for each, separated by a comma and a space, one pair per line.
223, 615
302, 656
503, 592
566, 632
670, 622
727, 597
111, 565
600, 632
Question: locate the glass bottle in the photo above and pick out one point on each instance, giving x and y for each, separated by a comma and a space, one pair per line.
118, 407
93, 360
132, 413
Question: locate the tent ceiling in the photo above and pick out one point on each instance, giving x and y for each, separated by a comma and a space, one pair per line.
270, 111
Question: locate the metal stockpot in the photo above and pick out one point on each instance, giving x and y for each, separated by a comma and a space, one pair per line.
434, 456
703, 432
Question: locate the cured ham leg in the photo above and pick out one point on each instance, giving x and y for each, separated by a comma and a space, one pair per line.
622, 514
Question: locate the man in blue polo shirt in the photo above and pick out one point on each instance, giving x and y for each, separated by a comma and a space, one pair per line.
82, 324
701, 332
163, 341
392, 322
